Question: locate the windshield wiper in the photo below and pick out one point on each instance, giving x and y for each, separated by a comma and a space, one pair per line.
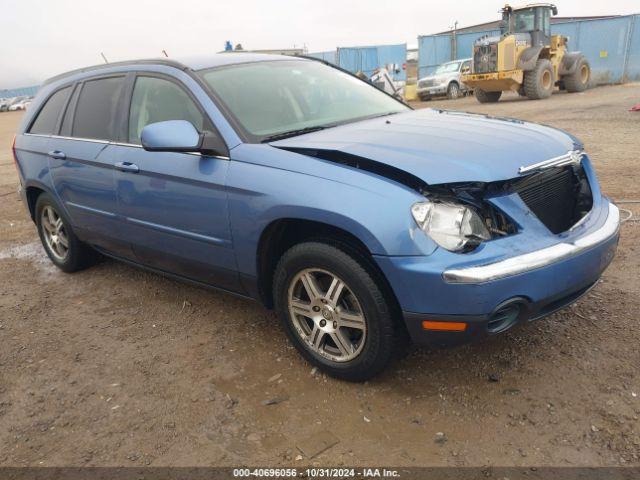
293, 133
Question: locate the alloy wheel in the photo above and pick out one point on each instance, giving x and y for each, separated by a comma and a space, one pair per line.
326, 315
55, 235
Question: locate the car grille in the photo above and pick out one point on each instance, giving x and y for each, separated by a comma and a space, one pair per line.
559, 197
485, 58
425, 83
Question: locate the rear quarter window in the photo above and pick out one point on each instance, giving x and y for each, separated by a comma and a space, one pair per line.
95, 115
47, 119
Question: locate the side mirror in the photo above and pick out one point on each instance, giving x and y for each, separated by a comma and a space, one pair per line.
181, 136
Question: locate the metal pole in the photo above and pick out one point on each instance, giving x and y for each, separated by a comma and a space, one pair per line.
627, 47
454, 41
104, 58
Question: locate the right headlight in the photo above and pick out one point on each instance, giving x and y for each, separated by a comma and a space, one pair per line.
453, 226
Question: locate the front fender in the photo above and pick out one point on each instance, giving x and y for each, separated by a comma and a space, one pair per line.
266, 184
528, 58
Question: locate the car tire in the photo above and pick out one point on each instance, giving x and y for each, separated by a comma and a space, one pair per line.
62, 245
487, 97
539, 82
360, 317
578, 81
453, 91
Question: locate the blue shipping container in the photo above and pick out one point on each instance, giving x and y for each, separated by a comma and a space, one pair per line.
369, 59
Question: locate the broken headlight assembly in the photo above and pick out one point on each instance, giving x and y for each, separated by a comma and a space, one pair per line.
453, 226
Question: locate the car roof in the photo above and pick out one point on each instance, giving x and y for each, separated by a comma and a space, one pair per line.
202, 62
193, 63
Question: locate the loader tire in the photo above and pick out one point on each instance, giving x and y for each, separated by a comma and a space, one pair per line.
578, 81
487, 97
539, 82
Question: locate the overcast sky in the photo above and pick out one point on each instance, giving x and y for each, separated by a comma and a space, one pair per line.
40, 38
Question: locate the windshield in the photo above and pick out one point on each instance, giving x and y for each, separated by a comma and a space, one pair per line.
525, 20
271, 98
448, 68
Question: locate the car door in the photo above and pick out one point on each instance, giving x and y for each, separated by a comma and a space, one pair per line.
81, 161
46, 123
173, 205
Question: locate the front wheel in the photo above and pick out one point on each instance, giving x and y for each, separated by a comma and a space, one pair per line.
539, 82
453, 91
333, 311
487, 97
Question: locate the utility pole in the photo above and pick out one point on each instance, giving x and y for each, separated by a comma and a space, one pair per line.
454, 41
104, 58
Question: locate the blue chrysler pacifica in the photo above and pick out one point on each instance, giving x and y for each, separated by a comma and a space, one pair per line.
362, 222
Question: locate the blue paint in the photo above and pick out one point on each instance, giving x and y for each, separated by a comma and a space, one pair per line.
174, 135
203, 217
329, 56
369, 59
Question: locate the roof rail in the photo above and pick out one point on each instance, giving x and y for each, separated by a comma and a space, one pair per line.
147, 61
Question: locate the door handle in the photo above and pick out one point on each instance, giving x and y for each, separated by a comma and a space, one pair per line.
57, 154
127, 167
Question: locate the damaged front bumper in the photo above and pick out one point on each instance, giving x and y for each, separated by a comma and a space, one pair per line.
538, 258
503, 284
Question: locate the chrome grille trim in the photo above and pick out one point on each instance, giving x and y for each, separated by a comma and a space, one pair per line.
571, 157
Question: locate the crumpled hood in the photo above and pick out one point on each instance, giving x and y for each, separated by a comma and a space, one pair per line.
443, 146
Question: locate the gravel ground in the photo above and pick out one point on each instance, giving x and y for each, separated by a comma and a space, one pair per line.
115, 366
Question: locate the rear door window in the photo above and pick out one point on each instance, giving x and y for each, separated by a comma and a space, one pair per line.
157, 100
65, 128
96, 112
47, 120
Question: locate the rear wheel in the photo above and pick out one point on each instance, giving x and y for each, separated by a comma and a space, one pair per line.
64, 249
333, 311
539, 82
578, 81
453, 91
487, 97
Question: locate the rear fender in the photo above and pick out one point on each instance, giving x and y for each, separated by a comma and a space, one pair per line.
569, 63
46, 188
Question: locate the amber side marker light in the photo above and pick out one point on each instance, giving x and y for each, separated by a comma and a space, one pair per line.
444, 326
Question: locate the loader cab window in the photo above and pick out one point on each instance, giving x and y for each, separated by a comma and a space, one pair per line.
525, 20
546, 22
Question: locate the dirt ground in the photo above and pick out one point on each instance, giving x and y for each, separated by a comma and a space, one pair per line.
115, 366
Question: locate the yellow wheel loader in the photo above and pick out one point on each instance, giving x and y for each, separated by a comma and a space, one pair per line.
525, 58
